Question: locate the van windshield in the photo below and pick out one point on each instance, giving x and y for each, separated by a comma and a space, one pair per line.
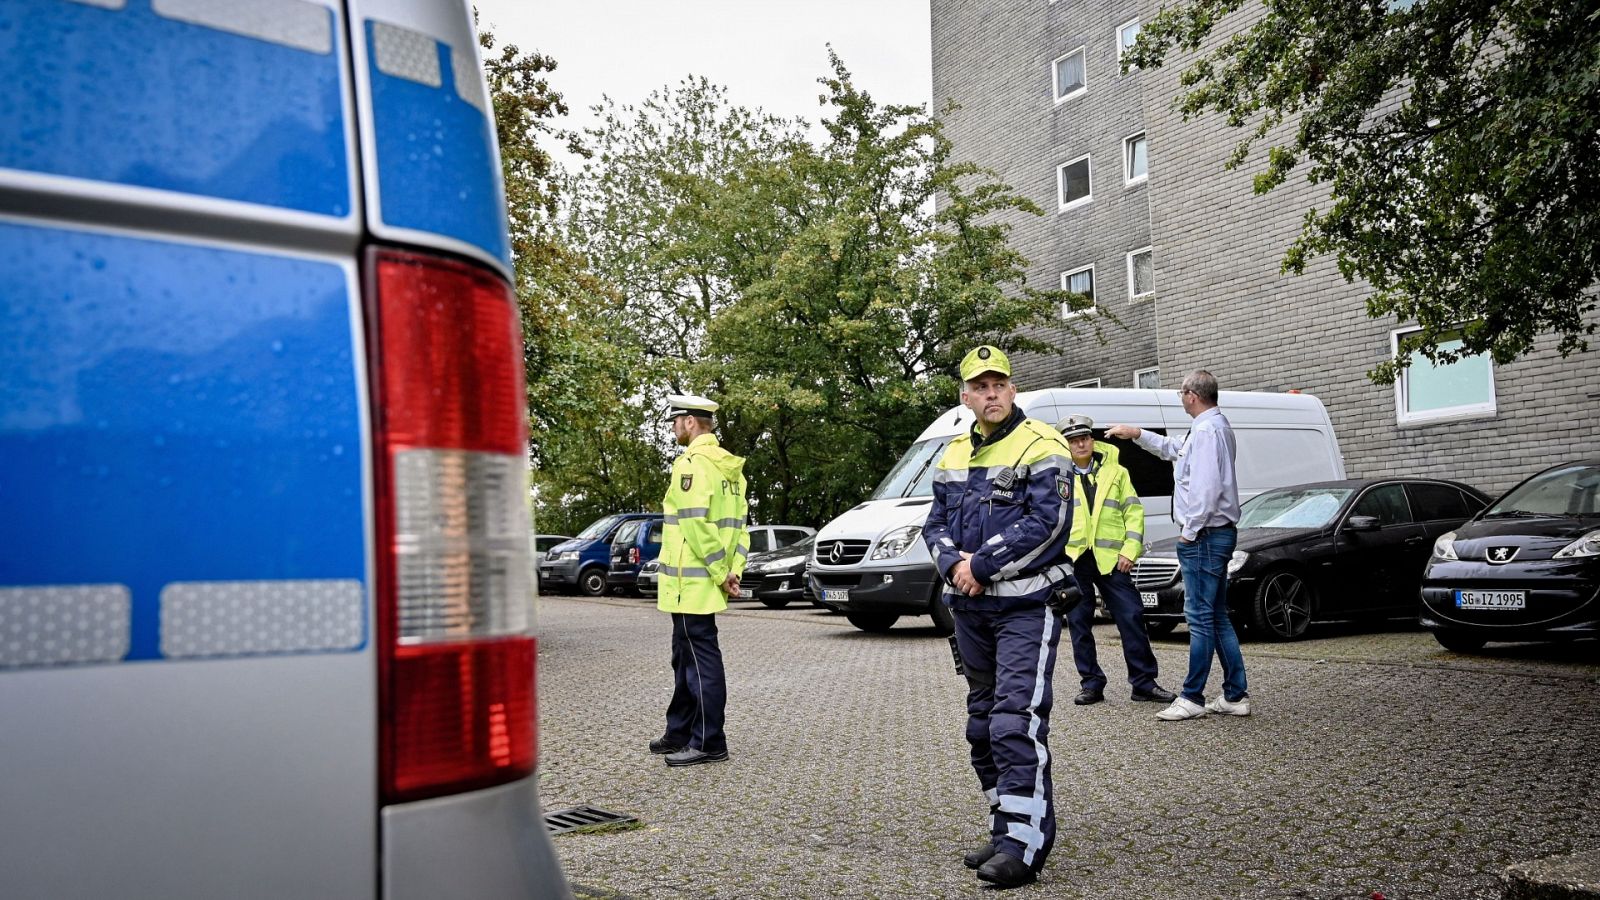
912, 476
598, 528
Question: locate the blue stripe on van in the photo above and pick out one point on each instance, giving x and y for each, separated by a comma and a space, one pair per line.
436, 162
172, 413
129, 97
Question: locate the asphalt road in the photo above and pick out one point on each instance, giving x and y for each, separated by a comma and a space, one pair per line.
1375, 762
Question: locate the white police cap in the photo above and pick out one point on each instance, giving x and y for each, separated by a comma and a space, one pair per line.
689, 405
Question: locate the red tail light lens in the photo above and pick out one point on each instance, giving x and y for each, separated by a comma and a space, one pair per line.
633, 555
454, 580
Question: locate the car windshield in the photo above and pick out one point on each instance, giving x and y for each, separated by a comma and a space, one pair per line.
1293, 508
912, 476
598, 528
1565, 491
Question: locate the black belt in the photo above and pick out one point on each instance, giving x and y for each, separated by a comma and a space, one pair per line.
1228, 527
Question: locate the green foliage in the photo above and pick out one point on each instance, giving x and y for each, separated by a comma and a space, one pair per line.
1460, 140
811, 288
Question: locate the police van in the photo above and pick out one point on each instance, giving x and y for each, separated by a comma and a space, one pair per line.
265, 627
871, 562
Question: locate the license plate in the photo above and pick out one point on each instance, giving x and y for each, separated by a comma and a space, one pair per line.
1491, 599
836, 595
1149, 599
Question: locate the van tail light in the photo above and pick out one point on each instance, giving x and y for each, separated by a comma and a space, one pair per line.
633, 555
453, 583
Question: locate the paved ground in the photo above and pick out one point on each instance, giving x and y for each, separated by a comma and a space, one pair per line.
1375, 762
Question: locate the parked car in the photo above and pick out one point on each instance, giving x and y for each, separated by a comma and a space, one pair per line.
635, 543
774, 537
778, 577
1526, 568
582, 562
1323, 551
648, 574
543, 544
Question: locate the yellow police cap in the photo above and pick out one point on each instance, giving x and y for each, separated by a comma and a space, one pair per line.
987, 358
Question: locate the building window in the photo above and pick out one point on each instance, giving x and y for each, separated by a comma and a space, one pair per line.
1072, 183
1141, 273
1135, 162
1069, 76
1147, 378
1425, 392
1078, 282
1127, 33
1086, 383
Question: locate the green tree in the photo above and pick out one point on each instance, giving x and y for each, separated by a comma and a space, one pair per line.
1459, 139
588, 452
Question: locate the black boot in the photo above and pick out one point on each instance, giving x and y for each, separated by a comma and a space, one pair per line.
978, 857
1006, 871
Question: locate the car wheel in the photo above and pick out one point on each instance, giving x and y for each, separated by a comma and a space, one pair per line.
592, 582
770, 603
1283, 606
875, 622
1459, 641
1160, 627
944, 621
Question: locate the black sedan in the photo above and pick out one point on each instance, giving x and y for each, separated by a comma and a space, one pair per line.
1526, 568
1314, 552
778, 577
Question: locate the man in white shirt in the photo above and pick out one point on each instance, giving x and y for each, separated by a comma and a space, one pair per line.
1205, 507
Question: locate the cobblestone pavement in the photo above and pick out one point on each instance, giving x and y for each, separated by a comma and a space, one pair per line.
1375, 762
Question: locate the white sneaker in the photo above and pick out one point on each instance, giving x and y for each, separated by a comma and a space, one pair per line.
1220, 704
1181, 709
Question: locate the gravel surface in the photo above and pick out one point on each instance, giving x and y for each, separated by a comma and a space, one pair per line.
1375, 761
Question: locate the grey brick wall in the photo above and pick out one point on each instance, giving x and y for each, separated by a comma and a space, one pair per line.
1220, 302
994, 59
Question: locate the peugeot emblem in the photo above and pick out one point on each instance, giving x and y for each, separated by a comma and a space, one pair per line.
1501, 554
836, 552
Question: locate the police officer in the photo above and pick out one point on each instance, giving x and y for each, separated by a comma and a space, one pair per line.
704, 544
997, 528
1107, 538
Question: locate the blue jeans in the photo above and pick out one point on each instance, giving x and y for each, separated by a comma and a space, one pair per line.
1205, 607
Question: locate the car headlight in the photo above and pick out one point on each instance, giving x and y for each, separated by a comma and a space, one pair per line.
782, 563
1237, 561
1588, 545
897, 542
1445, 546
650, 567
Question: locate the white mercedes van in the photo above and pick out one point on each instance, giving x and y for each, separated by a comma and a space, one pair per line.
265, 618
871, 562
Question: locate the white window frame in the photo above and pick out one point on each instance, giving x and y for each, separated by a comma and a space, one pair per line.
1402, 416
1061, 184
1118, 38
1131, 254
1070, 313
1127, 159
1055, 76
1138, 372
1085, 383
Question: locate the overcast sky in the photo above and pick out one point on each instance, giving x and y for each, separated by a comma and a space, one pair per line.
768, 53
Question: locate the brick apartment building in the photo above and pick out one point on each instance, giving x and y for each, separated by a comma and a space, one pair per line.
1186, 258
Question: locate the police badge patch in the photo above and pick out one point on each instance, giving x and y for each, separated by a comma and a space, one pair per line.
1064, 486
685, 481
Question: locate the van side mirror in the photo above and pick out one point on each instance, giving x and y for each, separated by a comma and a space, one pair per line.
1361, 523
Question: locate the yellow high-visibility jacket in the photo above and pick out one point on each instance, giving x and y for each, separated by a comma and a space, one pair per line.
704, 539
1115, 521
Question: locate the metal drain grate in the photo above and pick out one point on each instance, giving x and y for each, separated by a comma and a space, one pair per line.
582, 817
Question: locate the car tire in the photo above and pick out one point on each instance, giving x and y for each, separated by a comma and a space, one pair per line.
770, 603
1161, 627
944, 620
1459, 641
592, 581
1283, 606
875, 622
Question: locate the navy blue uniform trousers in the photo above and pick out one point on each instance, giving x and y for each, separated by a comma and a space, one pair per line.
699, 690
1009, 659
1122, 601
